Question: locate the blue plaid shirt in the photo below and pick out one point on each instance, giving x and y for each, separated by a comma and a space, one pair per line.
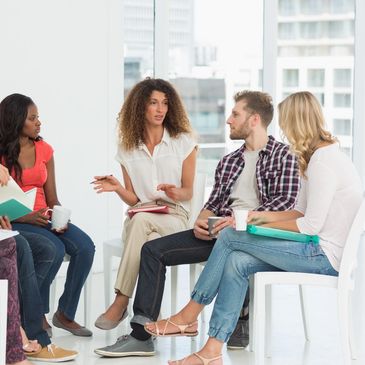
277, 177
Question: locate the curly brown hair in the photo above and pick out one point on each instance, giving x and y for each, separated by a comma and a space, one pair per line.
257, 102
131, 118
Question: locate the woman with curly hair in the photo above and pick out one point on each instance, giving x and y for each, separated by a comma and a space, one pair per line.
157, 154
329, 199
30, 162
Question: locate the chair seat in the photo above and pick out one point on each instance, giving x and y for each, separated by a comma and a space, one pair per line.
296, 278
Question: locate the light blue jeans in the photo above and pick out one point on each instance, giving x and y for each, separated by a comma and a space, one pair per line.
237, 255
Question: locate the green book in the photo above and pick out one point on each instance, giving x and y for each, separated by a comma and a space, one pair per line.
281, 234
13, 209
14, 202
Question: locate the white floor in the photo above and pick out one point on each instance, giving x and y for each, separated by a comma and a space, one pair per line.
288, 344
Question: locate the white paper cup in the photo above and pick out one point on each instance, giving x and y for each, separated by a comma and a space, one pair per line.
60, 217
211, 222
240, 216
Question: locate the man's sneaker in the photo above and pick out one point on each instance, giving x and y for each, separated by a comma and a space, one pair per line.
127, 346
53, 353
240, 336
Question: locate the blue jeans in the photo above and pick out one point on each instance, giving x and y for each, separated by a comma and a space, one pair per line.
35, 259
237, 255
81, 249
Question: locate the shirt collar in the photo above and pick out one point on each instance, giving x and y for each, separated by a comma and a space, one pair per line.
270, 146
268, 149
165, 139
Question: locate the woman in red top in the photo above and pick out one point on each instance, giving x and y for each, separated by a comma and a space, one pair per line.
30, 162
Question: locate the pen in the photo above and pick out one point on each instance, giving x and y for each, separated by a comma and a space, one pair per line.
103, 178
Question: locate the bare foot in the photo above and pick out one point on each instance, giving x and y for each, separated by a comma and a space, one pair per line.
67, 322
29, 346
175, 325
198, 359
117, 308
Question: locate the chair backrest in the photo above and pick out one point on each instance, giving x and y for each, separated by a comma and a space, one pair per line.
3, 318
349, 256
197, 201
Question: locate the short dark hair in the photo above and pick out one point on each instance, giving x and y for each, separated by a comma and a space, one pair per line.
257, 102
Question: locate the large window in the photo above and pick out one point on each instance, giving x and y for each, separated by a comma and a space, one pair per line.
320, 58
209, 63
138, 41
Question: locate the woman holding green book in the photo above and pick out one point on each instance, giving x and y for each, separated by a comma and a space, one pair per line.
328, 201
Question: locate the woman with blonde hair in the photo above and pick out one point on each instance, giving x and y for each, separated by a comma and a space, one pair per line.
329, 198
157, 154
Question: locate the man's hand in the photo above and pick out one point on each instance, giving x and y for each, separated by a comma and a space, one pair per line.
38, 218
201, 229
5, 223
223, 223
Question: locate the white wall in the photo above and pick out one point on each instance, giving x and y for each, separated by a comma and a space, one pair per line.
67, 56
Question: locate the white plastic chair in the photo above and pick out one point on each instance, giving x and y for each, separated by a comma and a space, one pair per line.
114, 247
3, 319
260, 294
87, 295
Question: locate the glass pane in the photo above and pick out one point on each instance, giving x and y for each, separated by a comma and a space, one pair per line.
138, 41
315, 77
291, 78
342, 77
318, 56
208, 159
209, 62
342, 100
342, 127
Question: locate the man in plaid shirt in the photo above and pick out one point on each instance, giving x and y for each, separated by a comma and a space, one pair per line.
261, 175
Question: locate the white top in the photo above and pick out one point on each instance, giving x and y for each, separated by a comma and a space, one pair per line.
163, 167
245, 194
329, 199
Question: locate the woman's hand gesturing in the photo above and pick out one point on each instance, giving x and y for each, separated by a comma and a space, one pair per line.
104, 184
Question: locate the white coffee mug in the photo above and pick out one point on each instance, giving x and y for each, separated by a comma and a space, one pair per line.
60, 217
240, 216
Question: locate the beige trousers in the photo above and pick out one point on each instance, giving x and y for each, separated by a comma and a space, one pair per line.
141, 228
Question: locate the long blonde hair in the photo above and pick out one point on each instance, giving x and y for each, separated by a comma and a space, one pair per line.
301, 119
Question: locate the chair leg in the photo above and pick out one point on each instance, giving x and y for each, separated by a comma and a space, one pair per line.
251, 311
343, 316
107, 268
268, 311
304, 311
353, 348
174, 274
259, 321
87, 299
52, 296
